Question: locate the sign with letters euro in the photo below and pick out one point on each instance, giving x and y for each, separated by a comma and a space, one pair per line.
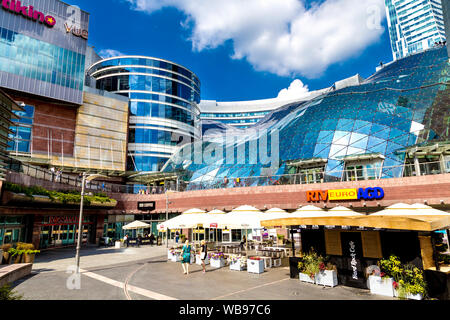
345, 194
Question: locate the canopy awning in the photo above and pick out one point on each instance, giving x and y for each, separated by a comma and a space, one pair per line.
136, 225
397, 217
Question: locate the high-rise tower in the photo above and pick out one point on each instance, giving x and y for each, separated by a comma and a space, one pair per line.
414, 25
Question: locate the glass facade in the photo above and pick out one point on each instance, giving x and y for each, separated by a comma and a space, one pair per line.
401, 105
38, 60
163, 106
21, 136
43, 61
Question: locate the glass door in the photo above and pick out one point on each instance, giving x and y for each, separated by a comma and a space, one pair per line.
44, 241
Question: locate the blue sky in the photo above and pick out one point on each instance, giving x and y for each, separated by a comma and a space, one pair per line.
231, 62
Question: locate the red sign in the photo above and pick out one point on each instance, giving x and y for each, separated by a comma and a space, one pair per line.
213, 225
28, 12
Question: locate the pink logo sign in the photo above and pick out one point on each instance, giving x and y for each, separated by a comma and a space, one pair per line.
28, 12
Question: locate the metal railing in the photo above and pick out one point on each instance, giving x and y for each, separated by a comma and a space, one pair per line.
67, 181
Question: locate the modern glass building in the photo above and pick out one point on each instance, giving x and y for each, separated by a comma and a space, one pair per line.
414, 25
243, 114
42, 48
358, 132
163, 106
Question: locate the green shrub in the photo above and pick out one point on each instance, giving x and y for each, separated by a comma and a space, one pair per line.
6, 293
71, 196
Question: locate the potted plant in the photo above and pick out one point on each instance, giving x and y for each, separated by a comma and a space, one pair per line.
255, 265
6, 255
327, 275
29, 252
309, 267
237, 262
383, 283
280, 239
411, 285
217, 259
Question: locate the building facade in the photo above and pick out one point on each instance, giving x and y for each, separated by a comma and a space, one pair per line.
163, 106
414, 25
42, 48
353, 133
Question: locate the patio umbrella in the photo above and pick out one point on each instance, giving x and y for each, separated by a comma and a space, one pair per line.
213, 218
274, 213
136, 225
403, 216
244, 217
312, 215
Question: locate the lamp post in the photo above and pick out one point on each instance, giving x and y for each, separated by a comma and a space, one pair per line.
80, 222
167, 217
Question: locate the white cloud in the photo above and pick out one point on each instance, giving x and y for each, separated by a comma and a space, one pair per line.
297, 90
109, 53
283, 37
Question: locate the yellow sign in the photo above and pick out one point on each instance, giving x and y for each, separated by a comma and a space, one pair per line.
343, 194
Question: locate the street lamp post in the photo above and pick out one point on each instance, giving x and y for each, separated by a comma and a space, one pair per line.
80, 222
167, 217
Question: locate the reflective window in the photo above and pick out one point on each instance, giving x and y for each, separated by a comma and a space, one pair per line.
21, 137
32, 58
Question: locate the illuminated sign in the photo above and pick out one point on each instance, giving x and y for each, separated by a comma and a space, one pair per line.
28, 12
345, 194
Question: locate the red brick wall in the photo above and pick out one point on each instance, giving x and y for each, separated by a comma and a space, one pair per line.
410, 190
53, 127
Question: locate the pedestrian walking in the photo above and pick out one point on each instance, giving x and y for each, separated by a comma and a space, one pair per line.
52, 170
203, 254
139, 240
177, 237
152, 239
125, 239
186, 257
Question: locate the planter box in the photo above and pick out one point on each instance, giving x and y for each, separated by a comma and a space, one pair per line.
305, 278
409, 296
192, 258
255, 266
199, 261
236, 266
380, 286
29, 258
327, 278
176, 257
118, 244
169, 256
217, 263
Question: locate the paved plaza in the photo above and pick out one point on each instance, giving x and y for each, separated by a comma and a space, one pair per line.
145, 274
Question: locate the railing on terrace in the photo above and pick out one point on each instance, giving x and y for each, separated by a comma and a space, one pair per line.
74, 182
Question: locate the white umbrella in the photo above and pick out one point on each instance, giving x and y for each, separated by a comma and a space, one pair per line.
341, 211
309, 211
136, 225
274, 213
244, 217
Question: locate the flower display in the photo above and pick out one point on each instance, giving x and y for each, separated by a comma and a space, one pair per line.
216, 255
408, 279
234, 258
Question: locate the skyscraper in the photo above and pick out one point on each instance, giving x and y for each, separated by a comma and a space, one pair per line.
414, 25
